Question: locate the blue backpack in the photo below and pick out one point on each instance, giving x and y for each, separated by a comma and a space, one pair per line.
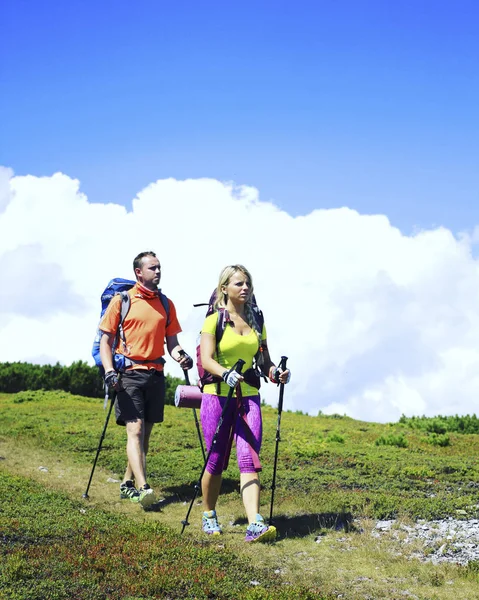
121, 286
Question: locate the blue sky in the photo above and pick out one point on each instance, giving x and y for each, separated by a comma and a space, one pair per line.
367, 104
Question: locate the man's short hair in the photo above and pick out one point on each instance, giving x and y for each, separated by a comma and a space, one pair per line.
138, 259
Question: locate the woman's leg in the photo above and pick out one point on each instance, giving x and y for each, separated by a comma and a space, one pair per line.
249, 486
210, 413
248, 437
210, 487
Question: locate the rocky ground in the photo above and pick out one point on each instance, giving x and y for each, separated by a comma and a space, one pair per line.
444, 540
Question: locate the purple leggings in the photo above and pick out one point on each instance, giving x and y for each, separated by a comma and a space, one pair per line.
250, 410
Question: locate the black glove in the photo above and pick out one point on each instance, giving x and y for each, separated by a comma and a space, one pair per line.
188, 363
111, 379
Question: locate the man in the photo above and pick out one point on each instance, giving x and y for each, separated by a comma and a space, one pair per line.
140, 389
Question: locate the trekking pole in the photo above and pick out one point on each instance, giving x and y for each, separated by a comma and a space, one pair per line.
282, 366
102, 437
187, 381
238, 367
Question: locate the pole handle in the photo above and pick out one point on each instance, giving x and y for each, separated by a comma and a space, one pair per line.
239, 365
282, 363
185, 371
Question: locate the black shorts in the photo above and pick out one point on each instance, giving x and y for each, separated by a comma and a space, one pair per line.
141, 396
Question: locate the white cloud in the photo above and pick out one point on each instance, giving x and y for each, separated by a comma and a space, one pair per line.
374, 323
5, 189
40, 290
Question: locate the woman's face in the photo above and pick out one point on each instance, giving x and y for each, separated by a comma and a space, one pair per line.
238, 288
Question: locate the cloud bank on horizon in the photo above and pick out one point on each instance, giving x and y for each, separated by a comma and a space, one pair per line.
375, 323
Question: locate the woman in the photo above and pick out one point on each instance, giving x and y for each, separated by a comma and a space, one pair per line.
245, 339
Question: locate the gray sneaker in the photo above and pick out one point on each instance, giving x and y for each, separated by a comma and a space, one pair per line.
128, 491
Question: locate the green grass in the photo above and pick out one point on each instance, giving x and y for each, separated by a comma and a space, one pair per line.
330, 472
54, 548
422, 480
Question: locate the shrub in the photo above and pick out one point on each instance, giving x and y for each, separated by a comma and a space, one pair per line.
458, 424
438, 440
336, 437
392, 440
79, 379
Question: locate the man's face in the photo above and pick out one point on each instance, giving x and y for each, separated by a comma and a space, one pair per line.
150, 272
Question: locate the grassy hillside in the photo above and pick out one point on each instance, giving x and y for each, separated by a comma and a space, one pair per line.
332, 471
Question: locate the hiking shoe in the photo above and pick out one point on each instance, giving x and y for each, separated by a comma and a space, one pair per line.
146, 496
210, 523
260, 532
128, 491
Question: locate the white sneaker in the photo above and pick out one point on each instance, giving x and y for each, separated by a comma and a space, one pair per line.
147, 496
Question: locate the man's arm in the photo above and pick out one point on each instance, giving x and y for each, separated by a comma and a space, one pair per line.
106, 354
174, 350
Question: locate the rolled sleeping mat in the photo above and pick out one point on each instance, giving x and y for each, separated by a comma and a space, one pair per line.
188, 396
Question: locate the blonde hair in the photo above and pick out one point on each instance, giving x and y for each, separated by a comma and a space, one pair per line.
222, 298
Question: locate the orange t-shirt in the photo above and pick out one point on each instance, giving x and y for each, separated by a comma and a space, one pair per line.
144, 327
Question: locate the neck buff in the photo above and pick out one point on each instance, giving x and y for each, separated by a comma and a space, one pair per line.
145, 292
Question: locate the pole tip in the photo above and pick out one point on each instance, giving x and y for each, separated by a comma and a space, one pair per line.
85, 497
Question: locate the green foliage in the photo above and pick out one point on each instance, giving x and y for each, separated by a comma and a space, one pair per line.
171, 383
79, 378
438, 440
336, 437
392, 440
314, 476
56, 548
458, 424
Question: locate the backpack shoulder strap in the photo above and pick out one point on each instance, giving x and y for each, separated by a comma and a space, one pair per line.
223, 319
166, 305
124, 308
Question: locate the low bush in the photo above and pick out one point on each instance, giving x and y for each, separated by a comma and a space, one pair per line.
336, 437
458, 424
392, 440
438, 440
79, 378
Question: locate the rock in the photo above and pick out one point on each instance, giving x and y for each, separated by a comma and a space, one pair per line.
453, 540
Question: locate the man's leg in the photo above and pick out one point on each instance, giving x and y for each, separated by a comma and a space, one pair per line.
146, 440
128, 476
135, 449
135, 452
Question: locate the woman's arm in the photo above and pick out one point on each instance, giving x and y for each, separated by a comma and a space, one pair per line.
208, 351
269, 367
267, 362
